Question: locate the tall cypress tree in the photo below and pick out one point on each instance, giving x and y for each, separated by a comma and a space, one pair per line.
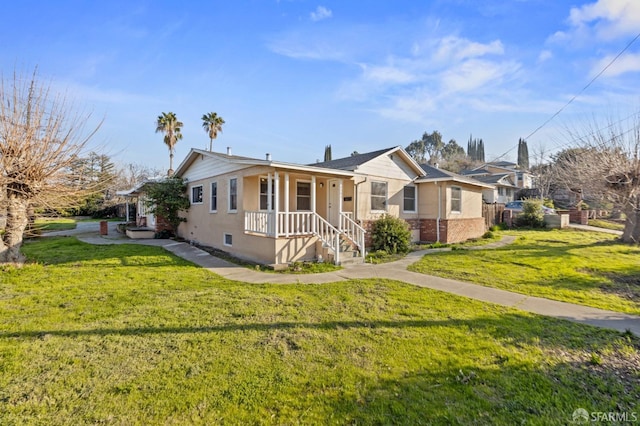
523, 154
480, 154
327, 153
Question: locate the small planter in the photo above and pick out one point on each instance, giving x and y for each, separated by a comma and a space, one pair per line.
140, 233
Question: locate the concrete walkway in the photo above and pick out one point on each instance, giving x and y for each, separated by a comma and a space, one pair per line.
594, 229
89, 233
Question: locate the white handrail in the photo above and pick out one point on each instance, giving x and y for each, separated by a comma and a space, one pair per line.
329, 235
306, 223
354, 232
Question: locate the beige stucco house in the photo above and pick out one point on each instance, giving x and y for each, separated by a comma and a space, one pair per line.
276, 213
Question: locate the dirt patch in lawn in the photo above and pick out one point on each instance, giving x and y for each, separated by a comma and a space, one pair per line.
626, 286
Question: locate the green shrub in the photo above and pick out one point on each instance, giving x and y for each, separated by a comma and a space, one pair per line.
548, 202
488, 234
532, 215
499, 227
391, 234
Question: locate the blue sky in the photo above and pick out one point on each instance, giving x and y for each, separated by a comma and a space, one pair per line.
292, 76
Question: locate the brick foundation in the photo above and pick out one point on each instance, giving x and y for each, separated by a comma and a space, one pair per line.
163, 225
451, 231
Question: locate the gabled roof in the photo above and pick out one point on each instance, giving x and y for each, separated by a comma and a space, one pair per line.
507, 164
434, 174
473, 172
248, 161
136, 190
353, 162
497, 179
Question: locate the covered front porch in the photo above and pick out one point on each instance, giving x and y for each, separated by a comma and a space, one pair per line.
291, 204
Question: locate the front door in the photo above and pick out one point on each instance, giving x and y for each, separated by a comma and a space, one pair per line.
333, 205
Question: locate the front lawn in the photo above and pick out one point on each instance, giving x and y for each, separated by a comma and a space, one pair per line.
48, 224
133, 335
588, 268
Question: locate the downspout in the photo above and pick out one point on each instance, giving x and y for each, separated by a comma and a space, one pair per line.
439, 212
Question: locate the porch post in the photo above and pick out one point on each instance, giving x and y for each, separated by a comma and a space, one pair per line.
340, 204
286, 204
276, 201
313, 204
126, 203
270, 222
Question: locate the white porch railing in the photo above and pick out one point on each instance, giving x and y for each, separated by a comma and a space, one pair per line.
306, 223
259, 223
353, 231
296, 223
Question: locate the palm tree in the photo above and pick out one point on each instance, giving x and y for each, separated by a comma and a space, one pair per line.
168, 124
212, 124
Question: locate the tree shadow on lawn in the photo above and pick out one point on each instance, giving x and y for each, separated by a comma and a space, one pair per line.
69, 251
502, 391
516, 328
501, 388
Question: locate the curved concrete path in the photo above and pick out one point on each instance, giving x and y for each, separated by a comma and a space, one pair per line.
89, 233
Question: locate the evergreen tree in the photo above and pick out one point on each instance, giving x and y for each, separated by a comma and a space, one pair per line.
327, 153
523, 154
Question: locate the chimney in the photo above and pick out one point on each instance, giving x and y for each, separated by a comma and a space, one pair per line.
228, 150
268, 157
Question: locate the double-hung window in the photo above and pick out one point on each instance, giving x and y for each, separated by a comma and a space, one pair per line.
456, 199
196, 194
378, 196
409, 205
233, 195
303, 196
214, 197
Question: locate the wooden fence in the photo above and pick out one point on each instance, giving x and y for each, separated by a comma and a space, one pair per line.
492, 214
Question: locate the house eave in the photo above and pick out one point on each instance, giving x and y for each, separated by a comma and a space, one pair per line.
193, 154
456, 180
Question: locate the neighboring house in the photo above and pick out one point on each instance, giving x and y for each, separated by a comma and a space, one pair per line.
504, 188
143, 218
276, 213
522, 179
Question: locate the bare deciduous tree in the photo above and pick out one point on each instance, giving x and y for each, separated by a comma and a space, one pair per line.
40, 137
606, 165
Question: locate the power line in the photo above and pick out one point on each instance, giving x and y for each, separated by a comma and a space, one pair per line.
578, 94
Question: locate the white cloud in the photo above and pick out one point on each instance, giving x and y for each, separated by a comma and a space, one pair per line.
603, 20
624, 64
321, 13
455, 48
545, 55
387, 74
476, 74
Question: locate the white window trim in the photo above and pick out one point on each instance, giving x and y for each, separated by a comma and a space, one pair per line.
229, 209
386, 196
303, 181
224, 239
201, 192
415, 199
451, 200
211, 196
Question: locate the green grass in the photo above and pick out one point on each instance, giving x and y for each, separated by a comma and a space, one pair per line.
606, 224
588, 268
45, 224
133, 335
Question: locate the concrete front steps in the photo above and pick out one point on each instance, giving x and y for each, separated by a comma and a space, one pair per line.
349, 254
